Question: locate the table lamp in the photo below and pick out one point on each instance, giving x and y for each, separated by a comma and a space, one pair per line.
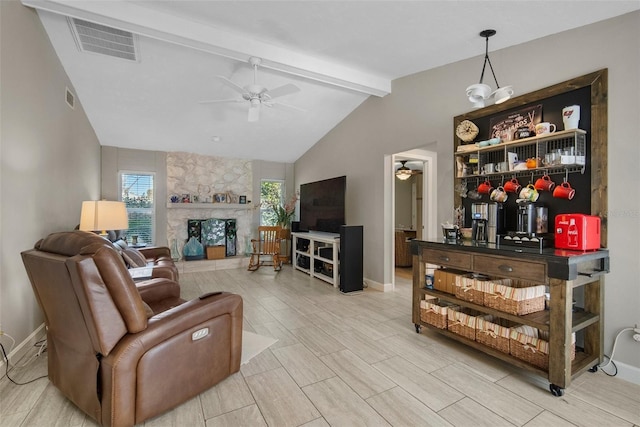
103, 215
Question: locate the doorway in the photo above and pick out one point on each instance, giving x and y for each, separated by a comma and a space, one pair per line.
423, 217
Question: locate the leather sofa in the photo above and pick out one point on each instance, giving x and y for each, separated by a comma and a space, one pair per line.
156, 257
124, 354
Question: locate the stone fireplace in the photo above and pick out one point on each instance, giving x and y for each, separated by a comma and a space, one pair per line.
199, 179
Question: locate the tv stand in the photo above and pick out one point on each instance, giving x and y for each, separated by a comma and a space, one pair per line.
311, 261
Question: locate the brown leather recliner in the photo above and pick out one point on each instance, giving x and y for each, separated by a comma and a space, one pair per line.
107, 352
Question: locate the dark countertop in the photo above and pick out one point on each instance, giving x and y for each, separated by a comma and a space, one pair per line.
561, 263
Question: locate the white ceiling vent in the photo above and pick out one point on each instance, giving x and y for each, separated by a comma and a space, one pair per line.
96, 38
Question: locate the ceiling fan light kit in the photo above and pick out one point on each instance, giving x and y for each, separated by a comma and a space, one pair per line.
256, 94
479, 93
403, 172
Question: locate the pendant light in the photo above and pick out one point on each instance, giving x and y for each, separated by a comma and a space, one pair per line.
479, 93
403, 173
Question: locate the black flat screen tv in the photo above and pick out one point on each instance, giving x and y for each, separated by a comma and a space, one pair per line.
322, 205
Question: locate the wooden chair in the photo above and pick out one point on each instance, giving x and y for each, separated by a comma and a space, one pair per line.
266, 246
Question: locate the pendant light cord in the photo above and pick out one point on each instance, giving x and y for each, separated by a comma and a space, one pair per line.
486, 59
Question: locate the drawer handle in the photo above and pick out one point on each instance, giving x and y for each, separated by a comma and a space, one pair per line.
444, 258
506, 268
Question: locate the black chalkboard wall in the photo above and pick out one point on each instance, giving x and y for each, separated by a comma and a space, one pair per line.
581, 182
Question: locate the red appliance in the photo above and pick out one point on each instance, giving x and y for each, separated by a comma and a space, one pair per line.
577, 231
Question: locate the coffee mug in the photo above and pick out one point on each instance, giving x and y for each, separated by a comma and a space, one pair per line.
489, 168
571, 117
529, 193
485, 187
512, 186
499, 195
544, 184
564, 191
474, 195
545, 127
502, 167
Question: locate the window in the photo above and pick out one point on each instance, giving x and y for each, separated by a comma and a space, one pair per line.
271, 193
137, 193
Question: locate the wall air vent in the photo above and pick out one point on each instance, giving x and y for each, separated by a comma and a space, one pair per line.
70, 98
96, 38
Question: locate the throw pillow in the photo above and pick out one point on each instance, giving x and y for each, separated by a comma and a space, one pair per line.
147, 310
134, 258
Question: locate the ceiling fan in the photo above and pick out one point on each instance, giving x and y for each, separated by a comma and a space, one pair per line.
256, 94
404, 172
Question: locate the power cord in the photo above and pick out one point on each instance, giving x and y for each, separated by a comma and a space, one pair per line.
613, 351
6, 358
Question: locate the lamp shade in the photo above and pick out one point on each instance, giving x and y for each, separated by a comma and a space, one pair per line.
103, 215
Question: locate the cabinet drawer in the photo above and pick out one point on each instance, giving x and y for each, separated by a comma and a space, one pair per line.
507, 267
447, 258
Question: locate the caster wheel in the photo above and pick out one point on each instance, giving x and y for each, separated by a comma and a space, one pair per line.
594, 368
555, 390
417, 328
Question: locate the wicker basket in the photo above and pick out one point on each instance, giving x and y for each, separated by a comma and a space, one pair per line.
514, 300
434, 312
532, 349
469, 289
462, 322
493, 333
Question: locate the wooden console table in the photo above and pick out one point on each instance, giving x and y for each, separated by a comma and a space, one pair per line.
561, 270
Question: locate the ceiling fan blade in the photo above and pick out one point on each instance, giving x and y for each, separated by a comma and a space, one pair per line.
287, 89
254, 113
232, 85
283, 104
215, 101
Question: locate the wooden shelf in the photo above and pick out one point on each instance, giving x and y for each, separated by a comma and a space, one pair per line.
540, 320
582, 361
523, 141
236, 206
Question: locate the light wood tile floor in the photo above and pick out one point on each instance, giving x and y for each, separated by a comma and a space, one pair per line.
344, 360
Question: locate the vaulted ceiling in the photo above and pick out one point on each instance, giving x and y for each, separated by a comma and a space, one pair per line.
336, 52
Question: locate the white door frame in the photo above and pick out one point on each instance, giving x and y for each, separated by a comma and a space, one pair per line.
429, 207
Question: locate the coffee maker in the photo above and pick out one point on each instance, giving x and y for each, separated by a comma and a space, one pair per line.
479, 218
526, 218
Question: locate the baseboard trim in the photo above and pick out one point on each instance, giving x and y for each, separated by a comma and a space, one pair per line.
21, 349
377, 286
628, 372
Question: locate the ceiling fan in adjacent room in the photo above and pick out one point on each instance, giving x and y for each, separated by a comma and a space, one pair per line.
256, 94
404, 172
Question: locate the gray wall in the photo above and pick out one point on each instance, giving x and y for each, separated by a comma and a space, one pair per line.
115, 160
50, 158
403, 202
421, 108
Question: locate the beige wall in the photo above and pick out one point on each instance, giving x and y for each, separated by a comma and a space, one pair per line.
50, 158
421, 108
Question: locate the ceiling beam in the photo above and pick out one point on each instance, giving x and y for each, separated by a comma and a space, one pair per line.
148, 22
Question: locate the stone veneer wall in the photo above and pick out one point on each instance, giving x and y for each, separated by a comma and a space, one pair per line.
204, 176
